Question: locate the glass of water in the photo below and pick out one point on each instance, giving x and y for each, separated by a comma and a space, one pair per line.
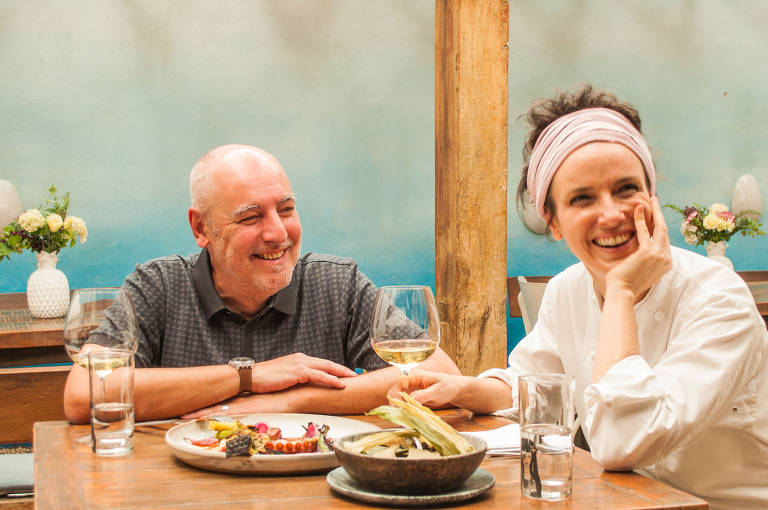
546, 439
101, 317
110, 372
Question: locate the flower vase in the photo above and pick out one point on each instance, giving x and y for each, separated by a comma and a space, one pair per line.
47, 288
716, 252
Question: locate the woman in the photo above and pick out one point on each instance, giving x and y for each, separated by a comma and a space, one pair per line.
667, 348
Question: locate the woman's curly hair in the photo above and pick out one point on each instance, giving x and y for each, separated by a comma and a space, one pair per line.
545, 111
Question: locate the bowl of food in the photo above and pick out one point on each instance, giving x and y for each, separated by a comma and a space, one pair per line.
426, 456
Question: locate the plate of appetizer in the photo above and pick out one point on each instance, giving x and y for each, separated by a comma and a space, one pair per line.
266, 443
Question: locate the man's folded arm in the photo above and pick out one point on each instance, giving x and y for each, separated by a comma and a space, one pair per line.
198, 391
360, 394
159, 392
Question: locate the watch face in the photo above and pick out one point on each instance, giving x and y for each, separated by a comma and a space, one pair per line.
241, 362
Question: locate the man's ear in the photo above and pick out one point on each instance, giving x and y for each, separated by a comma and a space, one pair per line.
553, 225
198, 228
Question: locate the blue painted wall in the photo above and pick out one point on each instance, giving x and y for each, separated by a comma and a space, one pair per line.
115, 102
696, 72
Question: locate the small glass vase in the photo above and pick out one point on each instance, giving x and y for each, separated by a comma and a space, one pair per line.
47, 288
716, 252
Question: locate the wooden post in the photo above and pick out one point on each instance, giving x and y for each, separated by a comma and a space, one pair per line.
471, 89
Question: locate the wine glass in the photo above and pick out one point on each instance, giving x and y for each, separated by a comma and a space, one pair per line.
101, 317
405, 327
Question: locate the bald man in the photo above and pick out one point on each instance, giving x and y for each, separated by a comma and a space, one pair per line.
249, 325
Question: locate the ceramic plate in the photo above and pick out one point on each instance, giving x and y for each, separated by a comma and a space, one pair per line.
480, 482
290, 424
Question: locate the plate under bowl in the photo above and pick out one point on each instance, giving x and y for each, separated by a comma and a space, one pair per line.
479, 483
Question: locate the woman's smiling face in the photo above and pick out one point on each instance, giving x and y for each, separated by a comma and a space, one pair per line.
594, 193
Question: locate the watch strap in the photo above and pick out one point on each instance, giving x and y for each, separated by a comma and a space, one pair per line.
245, 378
244, 367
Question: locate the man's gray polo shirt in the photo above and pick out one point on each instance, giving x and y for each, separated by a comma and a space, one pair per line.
325, 312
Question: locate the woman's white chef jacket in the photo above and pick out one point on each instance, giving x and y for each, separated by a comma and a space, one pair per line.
692, 408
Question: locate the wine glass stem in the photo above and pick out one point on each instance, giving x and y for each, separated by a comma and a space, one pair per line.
404, 386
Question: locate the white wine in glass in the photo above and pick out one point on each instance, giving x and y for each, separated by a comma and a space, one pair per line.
103, 317
405, 327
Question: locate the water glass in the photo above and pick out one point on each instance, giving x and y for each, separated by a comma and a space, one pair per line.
546, 439
102, 316
110, 373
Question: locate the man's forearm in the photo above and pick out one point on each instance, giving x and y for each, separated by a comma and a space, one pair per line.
362, 393
167, 392
159, 392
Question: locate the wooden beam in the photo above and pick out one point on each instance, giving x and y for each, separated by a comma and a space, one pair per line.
471, 89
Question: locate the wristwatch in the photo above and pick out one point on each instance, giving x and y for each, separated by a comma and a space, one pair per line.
244, 367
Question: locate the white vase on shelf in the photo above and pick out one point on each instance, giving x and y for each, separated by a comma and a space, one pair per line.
746, 196
47, 288
716, 251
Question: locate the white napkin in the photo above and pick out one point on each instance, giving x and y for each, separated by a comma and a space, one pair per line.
17, 473
501, 441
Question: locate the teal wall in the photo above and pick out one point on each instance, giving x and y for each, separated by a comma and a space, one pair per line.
115, 101
696, 71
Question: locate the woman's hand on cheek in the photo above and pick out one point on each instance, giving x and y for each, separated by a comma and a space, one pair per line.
638, 272
647, 203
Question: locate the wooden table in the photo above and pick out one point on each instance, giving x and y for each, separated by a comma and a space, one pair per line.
68, 475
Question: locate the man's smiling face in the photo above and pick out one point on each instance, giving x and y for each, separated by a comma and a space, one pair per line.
252, 226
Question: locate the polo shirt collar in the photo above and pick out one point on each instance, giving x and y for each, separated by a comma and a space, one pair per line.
283, 300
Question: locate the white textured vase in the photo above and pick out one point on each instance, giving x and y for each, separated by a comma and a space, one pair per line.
47, 288
716, 251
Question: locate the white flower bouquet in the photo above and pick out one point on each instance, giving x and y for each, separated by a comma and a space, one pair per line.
714, 224
46, 229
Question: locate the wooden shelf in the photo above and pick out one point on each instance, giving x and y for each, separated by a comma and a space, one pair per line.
18, 329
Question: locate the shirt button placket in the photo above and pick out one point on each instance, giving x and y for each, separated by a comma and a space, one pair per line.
246, 343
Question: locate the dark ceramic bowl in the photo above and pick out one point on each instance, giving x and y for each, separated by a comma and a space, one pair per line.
409, 476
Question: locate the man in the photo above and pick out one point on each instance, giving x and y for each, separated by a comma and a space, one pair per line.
248, 295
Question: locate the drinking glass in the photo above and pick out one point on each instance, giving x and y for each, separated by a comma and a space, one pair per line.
110, 375
405, 327
103, 316
546, 440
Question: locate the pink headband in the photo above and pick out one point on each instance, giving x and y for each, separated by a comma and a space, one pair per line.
568, 133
